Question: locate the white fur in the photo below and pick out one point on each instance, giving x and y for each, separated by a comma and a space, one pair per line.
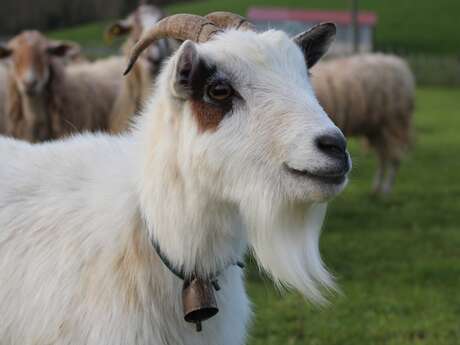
76, 263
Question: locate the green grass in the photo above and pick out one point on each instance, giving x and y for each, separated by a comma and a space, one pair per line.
397, 260
90, 37
90, 34
405, 26
435, 70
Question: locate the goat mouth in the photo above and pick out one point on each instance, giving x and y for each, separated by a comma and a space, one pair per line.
327, 178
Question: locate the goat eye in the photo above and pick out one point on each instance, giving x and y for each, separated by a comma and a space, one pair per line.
220, 91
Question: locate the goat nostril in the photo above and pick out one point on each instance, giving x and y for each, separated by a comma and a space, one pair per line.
334, 144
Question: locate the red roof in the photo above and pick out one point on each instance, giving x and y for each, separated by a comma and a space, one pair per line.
282, 14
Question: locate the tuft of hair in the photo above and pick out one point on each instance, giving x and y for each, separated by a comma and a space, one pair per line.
285, 242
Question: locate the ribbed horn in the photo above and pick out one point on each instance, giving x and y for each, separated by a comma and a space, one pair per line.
179, 26
230, 20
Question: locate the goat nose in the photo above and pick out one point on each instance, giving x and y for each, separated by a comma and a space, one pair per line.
334, 145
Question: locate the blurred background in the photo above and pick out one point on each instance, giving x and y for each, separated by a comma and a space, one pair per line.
423, 31
396, 255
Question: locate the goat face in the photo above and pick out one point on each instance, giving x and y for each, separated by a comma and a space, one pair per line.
31, 55
259, 127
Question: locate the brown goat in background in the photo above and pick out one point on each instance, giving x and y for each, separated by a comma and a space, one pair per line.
370, 96
48, 100
138, 84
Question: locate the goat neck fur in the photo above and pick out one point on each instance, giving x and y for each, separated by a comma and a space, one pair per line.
77, 216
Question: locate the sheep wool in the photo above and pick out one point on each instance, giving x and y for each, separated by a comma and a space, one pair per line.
48, 98
370, 96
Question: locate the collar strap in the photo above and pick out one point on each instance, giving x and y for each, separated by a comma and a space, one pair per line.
179, 273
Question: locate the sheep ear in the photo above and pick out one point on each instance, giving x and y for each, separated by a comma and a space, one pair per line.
186, 65
5, 51
117, 29
63, 49
315, 42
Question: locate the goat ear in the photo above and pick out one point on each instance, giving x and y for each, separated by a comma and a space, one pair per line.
63, 49
315, 42
5, 51
117, 29
186, 65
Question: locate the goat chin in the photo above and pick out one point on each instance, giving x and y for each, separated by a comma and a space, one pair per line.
285, 242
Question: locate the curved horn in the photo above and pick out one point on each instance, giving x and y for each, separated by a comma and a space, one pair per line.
230, 20
178, 26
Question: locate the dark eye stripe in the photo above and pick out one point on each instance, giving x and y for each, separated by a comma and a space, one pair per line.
208, 104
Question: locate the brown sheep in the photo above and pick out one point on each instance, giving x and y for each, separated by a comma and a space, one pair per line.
139, 82
73, 55
48, 100
370, 96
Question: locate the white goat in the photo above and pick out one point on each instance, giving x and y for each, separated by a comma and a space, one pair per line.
233, 151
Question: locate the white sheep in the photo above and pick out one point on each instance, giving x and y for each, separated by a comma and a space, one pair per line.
370, 96
232, 152
48, 100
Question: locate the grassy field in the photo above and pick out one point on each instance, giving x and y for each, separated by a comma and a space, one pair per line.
397, 261
404, 26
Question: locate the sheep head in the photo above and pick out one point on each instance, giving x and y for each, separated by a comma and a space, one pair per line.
144, 16
134, 25
249, 130
31, 54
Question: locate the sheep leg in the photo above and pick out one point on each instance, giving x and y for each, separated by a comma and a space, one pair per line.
390, 177
377, 187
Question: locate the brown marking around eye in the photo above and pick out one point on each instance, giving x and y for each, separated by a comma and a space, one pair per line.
208, 116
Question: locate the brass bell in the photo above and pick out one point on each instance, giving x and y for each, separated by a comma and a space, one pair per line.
199, 301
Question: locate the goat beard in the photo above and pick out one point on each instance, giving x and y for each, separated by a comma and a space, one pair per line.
285, 243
